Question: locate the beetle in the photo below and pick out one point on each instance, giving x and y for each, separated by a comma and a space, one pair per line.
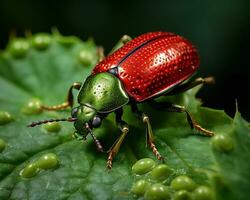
144, 68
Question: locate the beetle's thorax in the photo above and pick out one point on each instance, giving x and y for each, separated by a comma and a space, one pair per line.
102, 92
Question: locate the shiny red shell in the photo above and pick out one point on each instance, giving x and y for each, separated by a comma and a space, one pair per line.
152, 63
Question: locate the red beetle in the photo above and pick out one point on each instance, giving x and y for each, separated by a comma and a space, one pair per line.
144, 68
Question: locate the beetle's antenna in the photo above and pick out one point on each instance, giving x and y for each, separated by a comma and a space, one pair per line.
70, 119
96, 141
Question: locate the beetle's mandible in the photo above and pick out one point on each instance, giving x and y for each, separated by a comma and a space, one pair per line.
151, 65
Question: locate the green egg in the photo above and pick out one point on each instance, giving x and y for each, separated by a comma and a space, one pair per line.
157, 192
5, 118
140, 187
143, 166
86, 57
41, 41
52, 127
2, 145
203, 193
48, 161
19, 47
183, 183
160, 172
34, 106
223, 143
182, 195
30, 170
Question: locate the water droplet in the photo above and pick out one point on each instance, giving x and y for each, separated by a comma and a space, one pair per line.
2, 145
41, 41
5, 118
222, 143
19, 47
34, 106
48, 161
53, 127
183, 183
143, 166
30, 170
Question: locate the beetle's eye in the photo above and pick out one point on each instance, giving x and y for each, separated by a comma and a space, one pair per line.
74, 112
96, 121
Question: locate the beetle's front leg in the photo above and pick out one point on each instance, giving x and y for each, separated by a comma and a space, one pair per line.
181, 109
69, 100
149, 132
123, 126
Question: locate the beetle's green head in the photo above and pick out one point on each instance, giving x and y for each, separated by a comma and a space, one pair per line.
86, 118
101, 93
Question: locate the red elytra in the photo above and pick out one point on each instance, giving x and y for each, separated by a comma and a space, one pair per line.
152, 63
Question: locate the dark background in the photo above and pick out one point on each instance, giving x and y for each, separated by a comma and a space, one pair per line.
219, 29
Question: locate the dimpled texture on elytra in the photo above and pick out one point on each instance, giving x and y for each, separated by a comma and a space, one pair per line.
152, 64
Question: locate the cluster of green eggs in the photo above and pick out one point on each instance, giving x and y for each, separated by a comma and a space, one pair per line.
160, 182
46, 161
19, 47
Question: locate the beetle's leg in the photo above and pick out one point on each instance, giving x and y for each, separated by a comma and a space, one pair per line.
69, 100
124, 40
123, 126
100, 54
149, 132
190, 84
181, 109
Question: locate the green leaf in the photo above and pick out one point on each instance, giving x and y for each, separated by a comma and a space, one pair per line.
233, 167
47, 163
